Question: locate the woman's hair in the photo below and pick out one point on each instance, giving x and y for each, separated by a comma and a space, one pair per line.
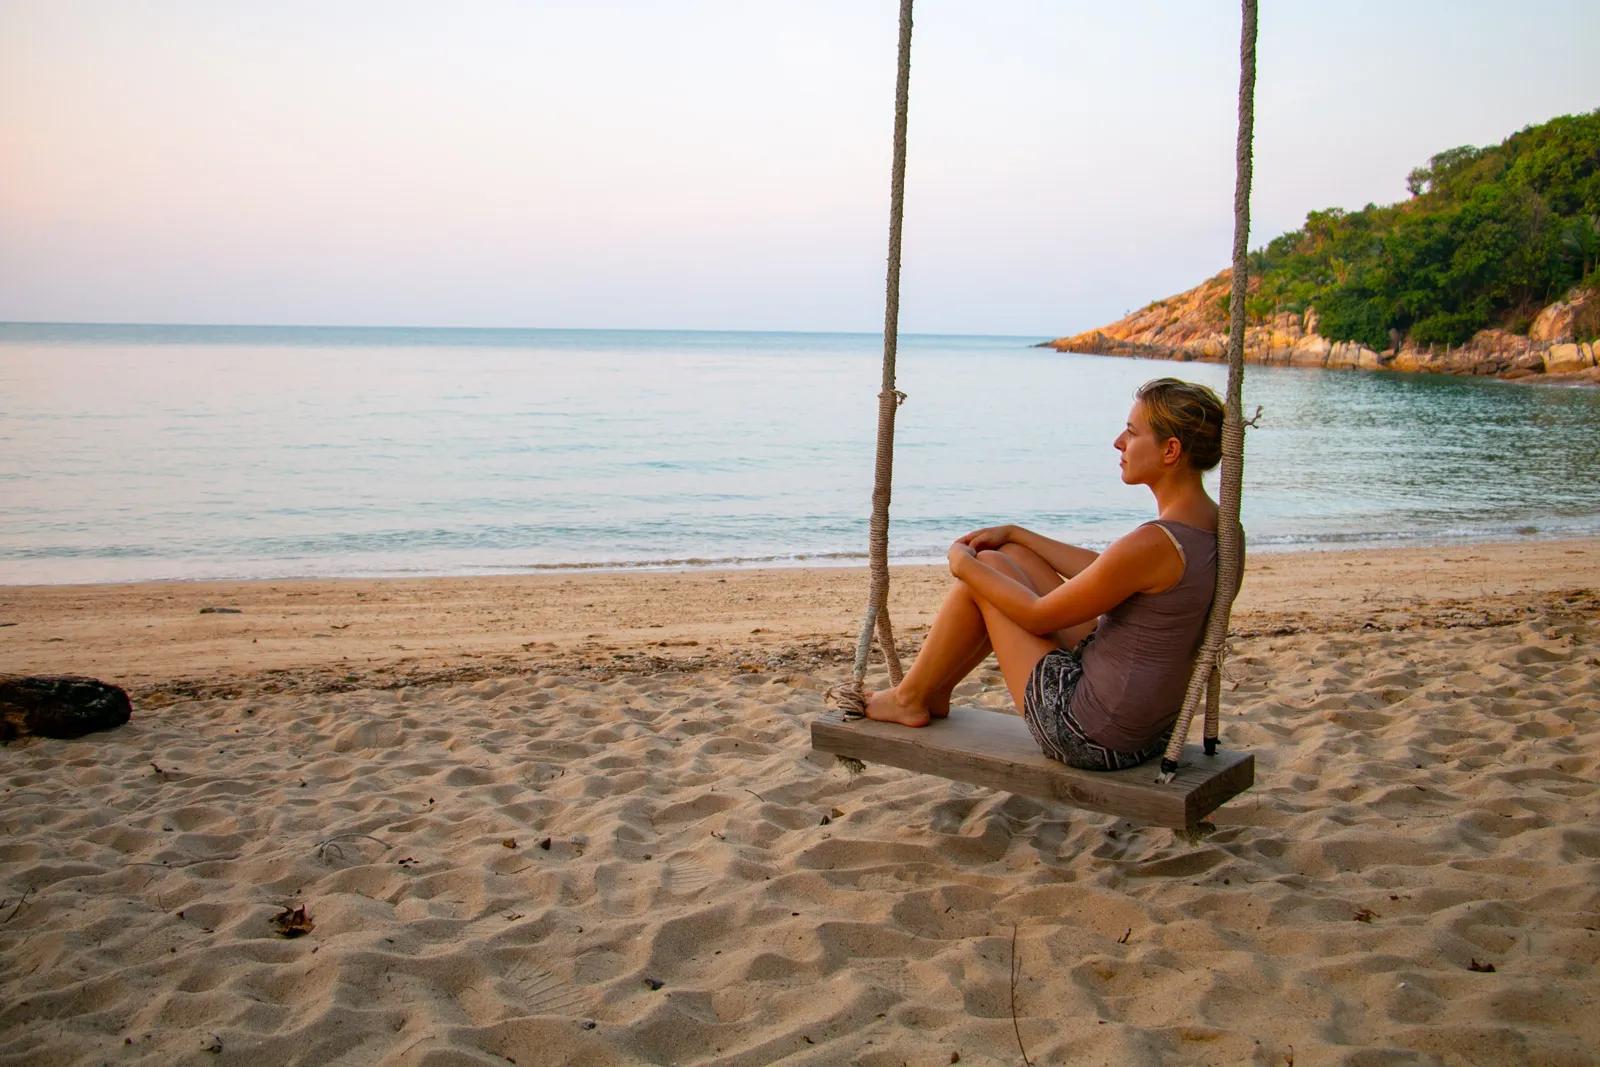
1191, 413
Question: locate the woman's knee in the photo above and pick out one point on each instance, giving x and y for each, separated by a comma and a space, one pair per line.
1025, 557
1040, 574
1007, 563
1029, 571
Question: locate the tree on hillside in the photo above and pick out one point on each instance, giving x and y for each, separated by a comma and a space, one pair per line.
1487, 236
1580, 239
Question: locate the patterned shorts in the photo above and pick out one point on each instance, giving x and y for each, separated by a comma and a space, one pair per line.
1047, 709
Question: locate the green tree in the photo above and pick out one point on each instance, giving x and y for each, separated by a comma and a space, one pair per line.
1580, 239
1487, 235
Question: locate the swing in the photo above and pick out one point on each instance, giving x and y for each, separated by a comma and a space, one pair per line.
996, 750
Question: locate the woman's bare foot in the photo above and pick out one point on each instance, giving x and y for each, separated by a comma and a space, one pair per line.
886, 706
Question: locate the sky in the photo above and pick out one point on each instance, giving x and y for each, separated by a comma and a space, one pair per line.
712, 164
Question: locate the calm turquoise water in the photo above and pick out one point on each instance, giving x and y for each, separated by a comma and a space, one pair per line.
201, 452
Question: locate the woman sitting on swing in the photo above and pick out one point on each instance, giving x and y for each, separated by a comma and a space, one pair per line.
1095, 648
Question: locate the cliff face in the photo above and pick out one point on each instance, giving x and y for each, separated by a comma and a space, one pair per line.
1193, 326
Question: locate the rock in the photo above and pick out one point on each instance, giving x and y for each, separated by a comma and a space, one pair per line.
1341, 356
61, 706
1321, 347
1466, 361
1367, 359
1282, 339
1556, 322
1189, 325
1566, 359
1308, 353
1409, 359
1475, 361
1529, 362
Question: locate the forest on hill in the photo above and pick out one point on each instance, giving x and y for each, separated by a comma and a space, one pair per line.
1488, 237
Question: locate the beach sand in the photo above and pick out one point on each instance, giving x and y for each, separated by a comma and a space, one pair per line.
571, 819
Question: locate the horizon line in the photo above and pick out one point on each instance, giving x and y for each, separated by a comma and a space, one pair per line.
507, 329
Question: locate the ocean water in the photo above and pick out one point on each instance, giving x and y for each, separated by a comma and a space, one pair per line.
141, 452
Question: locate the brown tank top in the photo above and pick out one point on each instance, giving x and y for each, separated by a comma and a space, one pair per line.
1137, 667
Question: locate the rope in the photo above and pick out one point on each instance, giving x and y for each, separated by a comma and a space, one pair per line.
852, 701
1207, 675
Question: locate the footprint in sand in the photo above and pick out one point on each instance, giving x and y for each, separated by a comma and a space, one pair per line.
540, 992
687, 876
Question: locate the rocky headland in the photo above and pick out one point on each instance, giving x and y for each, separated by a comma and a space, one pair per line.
1193, 325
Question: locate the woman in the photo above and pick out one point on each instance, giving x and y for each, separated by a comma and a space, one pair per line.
1095, 648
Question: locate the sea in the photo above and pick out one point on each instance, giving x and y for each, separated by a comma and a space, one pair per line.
131, 453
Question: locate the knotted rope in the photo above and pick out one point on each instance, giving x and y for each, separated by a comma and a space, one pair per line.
1207, 675
851, 699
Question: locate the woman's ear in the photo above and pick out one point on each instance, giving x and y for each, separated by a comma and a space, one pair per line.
1172, 450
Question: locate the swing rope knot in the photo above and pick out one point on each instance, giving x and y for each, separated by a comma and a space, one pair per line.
848, 699
899, 397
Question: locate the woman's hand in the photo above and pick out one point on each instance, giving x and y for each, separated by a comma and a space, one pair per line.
988, 537
960, 552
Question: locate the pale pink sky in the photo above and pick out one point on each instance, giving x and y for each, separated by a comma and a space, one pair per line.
706, 164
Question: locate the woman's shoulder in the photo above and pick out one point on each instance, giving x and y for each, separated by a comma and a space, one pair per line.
1146, 536
1209, 530
1151, 543
1152, 555
1202, 515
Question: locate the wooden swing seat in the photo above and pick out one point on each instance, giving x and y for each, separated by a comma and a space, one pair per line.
995, 750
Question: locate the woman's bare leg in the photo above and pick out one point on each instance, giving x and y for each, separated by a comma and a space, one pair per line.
1018, 650
939, 707
957, 642
1044, 578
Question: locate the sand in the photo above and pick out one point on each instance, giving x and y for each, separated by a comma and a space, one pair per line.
571, 819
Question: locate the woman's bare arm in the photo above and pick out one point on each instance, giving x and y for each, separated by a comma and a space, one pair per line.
1142, 561
1067, 560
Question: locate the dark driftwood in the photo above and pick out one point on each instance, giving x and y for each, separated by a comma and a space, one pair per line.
61, 705
995, 750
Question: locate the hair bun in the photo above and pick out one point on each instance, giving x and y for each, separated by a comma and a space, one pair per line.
1188, 411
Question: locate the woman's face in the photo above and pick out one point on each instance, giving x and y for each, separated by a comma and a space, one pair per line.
1142, 453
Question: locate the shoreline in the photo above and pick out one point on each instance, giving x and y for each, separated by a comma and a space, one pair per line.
148, 633
822, 560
